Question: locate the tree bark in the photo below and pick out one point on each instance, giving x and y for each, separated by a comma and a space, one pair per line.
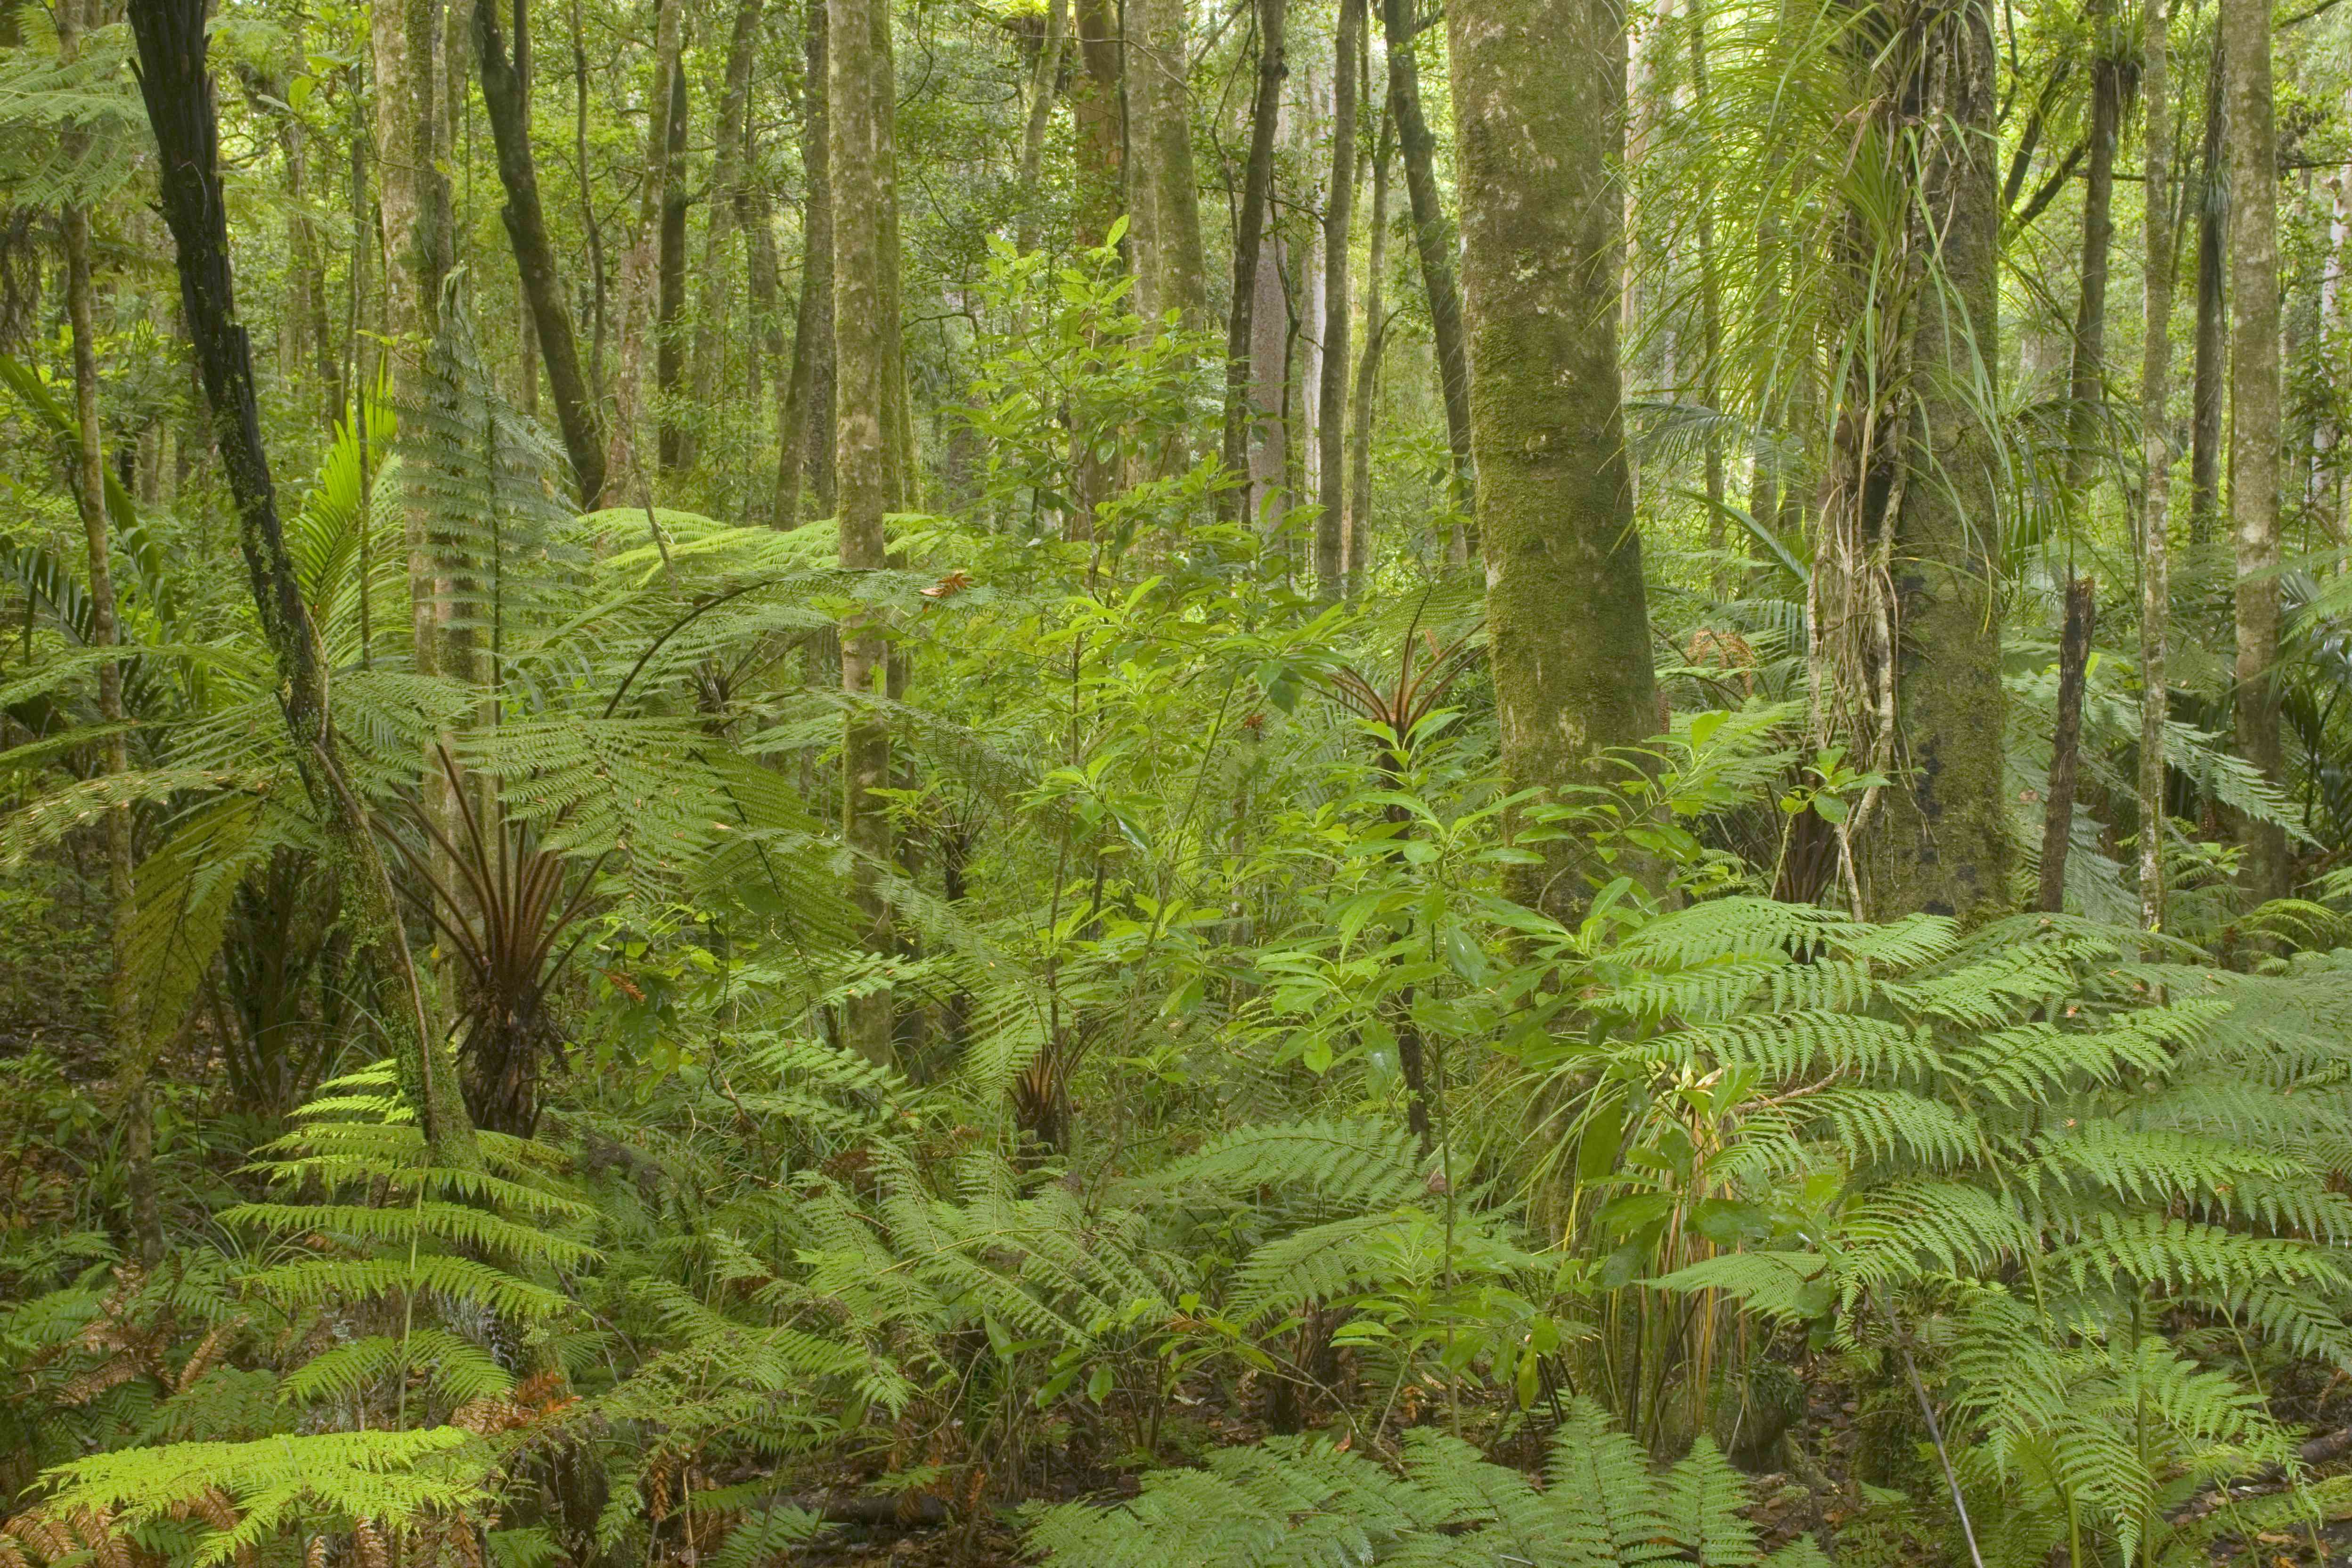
1368, 370
1249, 236
1043, 75
1939, 841
542, 279
2065, 743
175, 82
1095, 111
132, 1041
1159, 136
1537, 88
1432, 240
2211, 366
863, 168
814, 376
2155, 458
2255, 432
2087, 379
710, 305
1331, 423
1710, 314
675, 438
2323, 491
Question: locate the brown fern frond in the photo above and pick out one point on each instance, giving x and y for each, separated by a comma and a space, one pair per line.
368, 1541
209, 1352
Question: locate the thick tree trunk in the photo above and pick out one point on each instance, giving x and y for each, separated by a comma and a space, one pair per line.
1432, 242
1249, 239
1356, 543
2212, 365
865, 177
175, 81
408, 108
1095, 111
1331, 421
2155, 458
675, 438
1159, 136
2255, 432
1939, 841
711, 304
1538, 87
2087, 378
542, 279
1269, 428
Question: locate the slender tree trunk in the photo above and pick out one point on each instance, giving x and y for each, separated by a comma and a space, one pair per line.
712, 305
2212, 365
542, 279
1161, 142
1710, 311
1249, 239
1433, 241
1939, 841
639, 265
1538, 87
588, 224
813, 372
175, 81
1357, 541
675, 436
2065, 743
2155, 458
133, 1052
1331, 523
1043, 75
2087, 380
2323, 490
1269, 428
863, 168
757, 219
2255, 431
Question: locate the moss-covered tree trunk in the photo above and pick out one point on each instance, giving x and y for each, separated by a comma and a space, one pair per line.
2255, 432
1538, 87
865, 295
712, 306
1941, 840
1160, 140
808, 445
1356, 542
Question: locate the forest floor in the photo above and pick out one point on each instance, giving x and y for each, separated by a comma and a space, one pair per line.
1840, 1448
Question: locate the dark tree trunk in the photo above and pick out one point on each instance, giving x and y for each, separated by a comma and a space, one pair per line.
176, 80
542, 281
1433, 238
2087, 380
1249, 235
2210, 369
669, 348
2065, 743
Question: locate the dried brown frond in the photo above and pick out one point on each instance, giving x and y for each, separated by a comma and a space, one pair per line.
368, 1543
209, 1352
